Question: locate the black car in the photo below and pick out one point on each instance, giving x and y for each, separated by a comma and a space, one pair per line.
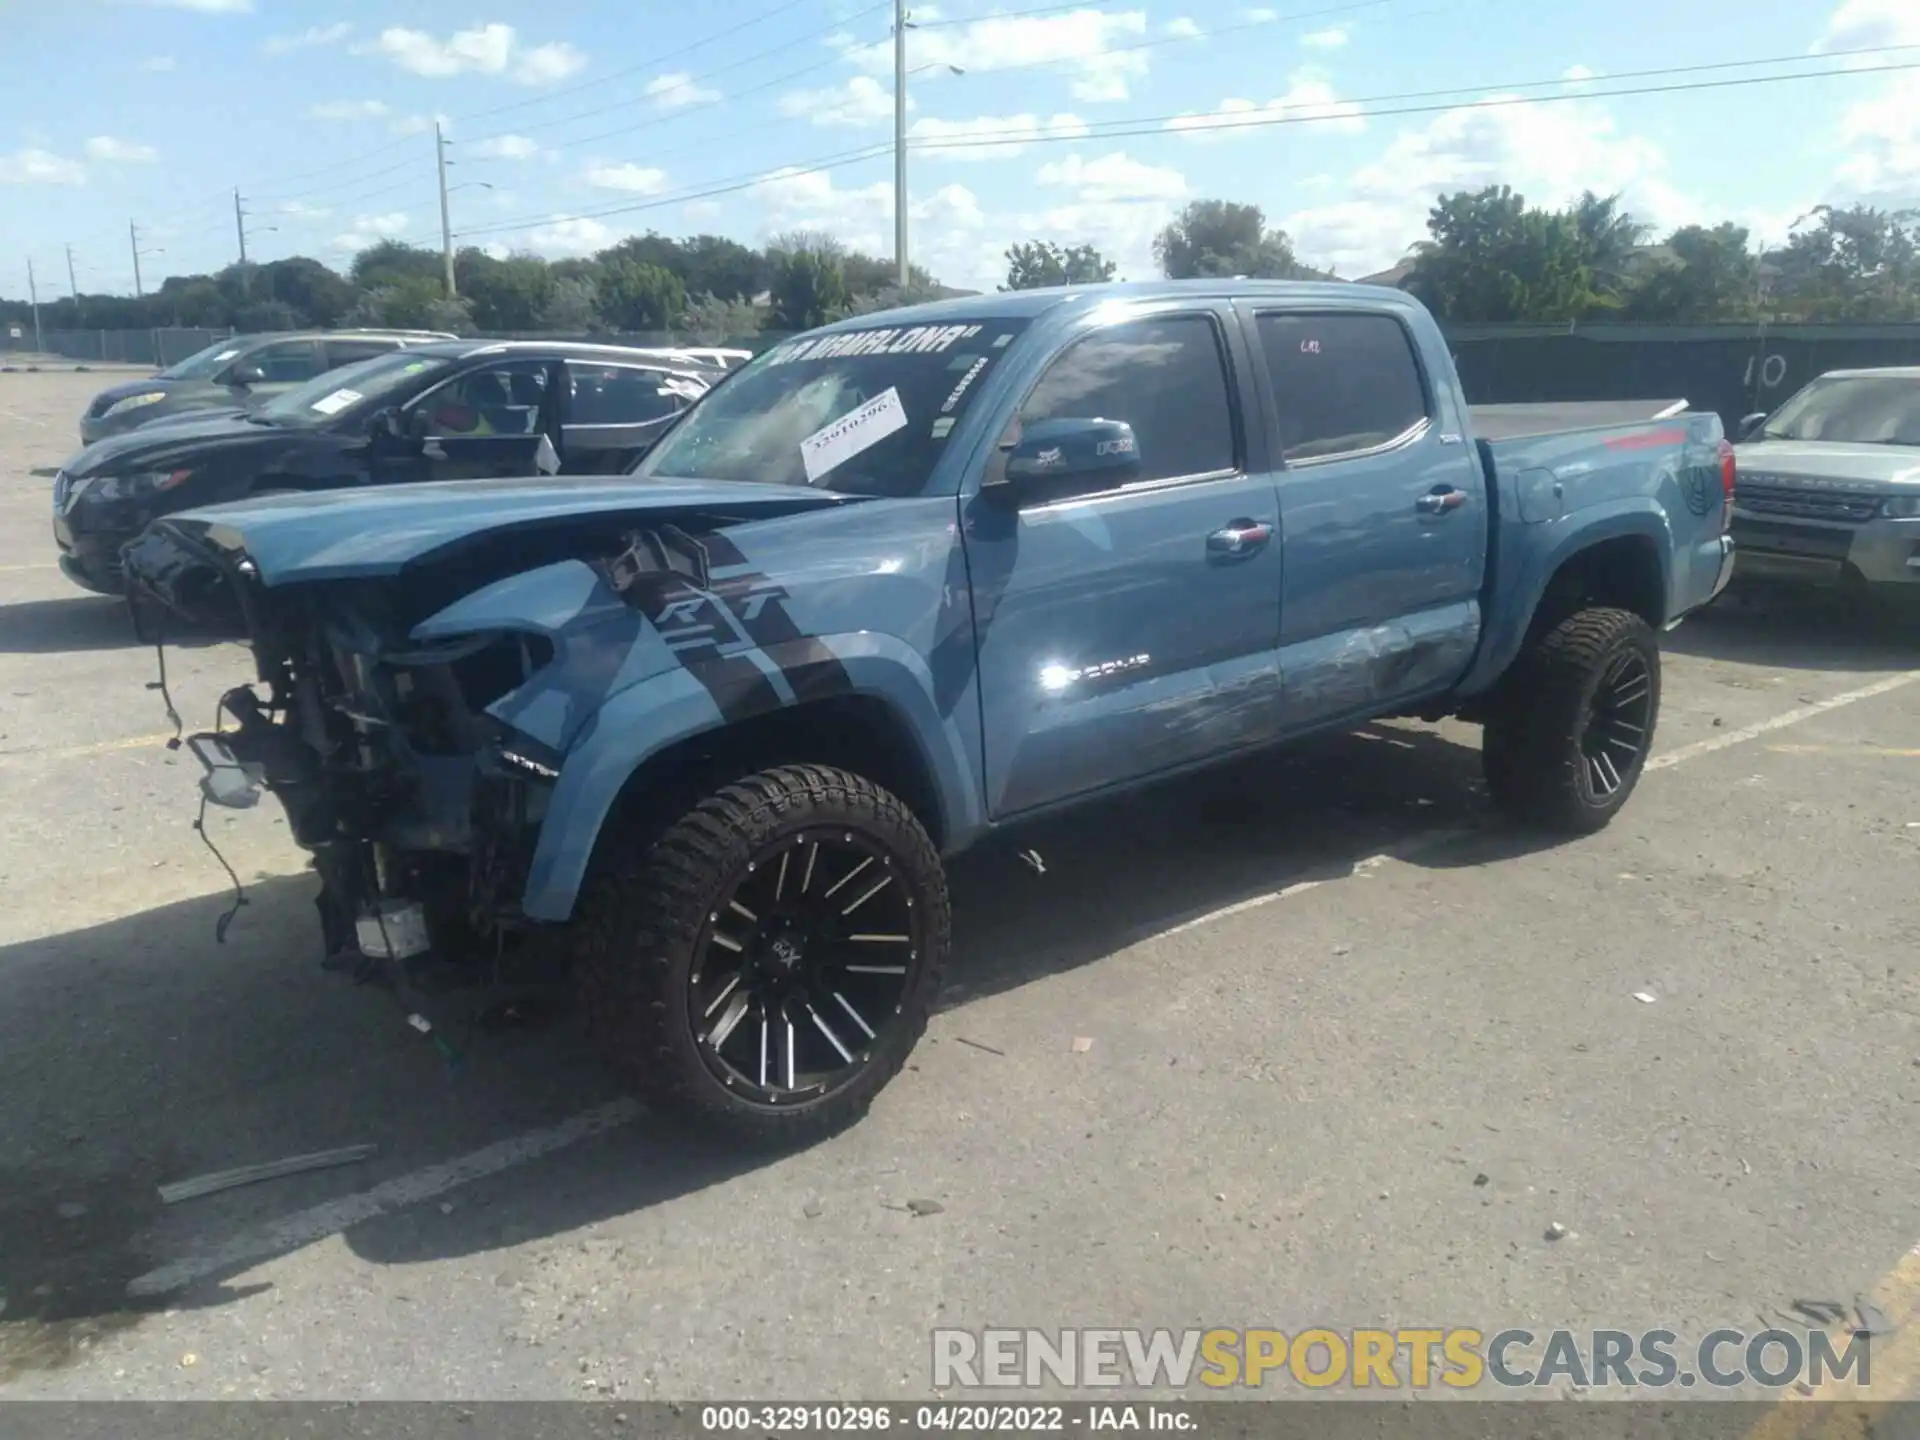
236, 374
454, 410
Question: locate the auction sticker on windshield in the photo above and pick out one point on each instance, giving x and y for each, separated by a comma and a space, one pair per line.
857, 430
894, 340
336, 402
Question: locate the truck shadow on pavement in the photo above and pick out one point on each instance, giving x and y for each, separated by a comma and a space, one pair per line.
76, 623
1812, 631
140, 1051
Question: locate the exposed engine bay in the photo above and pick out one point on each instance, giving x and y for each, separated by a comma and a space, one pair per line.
420, 808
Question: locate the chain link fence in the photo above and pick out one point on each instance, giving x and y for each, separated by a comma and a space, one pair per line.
158, 348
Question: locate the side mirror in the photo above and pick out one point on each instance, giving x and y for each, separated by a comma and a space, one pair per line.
1071, 450
243, 375
1750, 425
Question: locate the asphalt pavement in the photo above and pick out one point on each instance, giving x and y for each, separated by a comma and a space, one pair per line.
1315, 1041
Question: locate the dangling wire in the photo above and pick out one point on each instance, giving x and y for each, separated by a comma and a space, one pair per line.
225, 922
166, 696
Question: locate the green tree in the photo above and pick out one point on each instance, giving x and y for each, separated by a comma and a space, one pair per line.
1039, 263
1705, 275
314, 292
392, 262
635, 295
1224, 237
1856, 263
722, 268
574, 306
809, 289
1610, 240
412, 304
1491, 258
507, 295
712, 320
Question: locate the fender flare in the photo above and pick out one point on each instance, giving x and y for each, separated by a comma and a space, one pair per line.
640, 721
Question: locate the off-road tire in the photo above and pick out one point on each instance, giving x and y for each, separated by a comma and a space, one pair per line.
647, 908
1532, 747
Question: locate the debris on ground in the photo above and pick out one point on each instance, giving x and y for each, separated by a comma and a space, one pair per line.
1481, 1179
919, 1208
1821, 1312
1556, 1231
1034, 862
219, 1180
979, 1045
1645, 997
1873, 1320
813, 1209
189, 1360
1082, 1044
1343, 949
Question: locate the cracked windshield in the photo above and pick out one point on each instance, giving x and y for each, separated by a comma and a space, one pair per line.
978, 716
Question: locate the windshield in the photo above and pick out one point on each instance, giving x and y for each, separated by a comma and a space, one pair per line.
863, 412
1864, 410
203, 364
324, 397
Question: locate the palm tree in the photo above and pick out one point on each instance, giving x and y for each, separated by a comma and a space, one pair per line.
1609, 237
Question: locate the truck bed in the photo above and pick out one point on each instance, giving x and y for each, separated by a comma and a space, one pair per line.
1518, 422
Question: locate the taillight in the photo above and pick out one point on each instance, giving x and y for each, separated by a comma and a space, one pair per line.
1729, 474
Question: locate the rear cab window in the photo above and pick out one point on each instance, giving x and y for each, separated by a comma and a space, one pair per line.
347, 352
1343, 383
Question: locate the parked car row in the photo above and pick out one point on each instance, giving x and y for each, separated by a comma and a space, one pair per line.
701, 737
404, 408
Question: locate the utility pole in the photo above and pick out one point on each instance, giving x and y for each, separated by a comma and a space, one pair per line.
133, 239
446, 225
74, 286
33, 299
240, 224
900, 140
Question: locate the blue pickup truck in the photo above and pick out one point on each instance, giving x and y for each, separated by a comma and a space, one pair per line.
703, 735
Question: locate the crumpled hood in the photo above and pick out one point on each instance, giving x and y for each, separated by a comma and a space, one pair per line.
163, 446
1835, 460
292, 539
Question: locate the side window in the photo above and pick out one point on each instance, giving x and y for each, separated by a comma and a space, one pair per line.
620, 395
287, 363
346, 352
1166, 377
1341, 383
502, 399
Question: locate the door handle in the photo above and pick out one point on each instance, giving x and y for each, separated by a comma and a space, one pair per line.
1239, 539
1442, 501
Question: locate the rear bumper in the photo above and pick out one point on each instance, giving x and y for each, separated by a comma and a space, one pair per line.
1811, 552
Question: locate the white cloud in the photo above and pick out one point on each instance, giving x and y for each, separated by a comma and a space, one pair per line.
40, 167
1579, 72
206, 7
863, 100
1880, 140
120, 152
484, 50
156, 64
636, 179
310, 38
1331, 38
571, 237
1114, 177
415, 124
1309, 102
300, 210
347, 110
506, 147
368, 230
1547, 153
1858, 24
1014, 131
1183, 28
948, 233
1260, 15
677, 91
695, 211
1088, 42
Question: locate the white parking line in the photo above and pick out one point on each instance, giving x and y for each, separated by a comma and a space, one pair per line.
330, 1218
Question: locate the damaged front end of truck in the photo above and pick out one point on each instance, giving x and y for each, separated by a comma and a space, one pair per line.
420, 678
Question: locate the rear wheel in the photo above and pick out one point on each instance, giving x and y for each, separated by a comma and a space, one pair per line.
1567, 741
768, 963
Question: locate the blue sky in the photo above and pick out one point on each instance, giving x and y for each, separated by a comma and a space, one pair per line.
722, 116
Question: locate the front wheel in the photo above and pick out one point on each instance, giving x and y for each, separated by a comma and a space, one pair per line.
768, 963
1568, 739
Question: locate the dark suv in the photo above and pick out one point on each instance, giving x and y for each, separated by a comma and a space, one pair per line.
237, 373
447, 410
